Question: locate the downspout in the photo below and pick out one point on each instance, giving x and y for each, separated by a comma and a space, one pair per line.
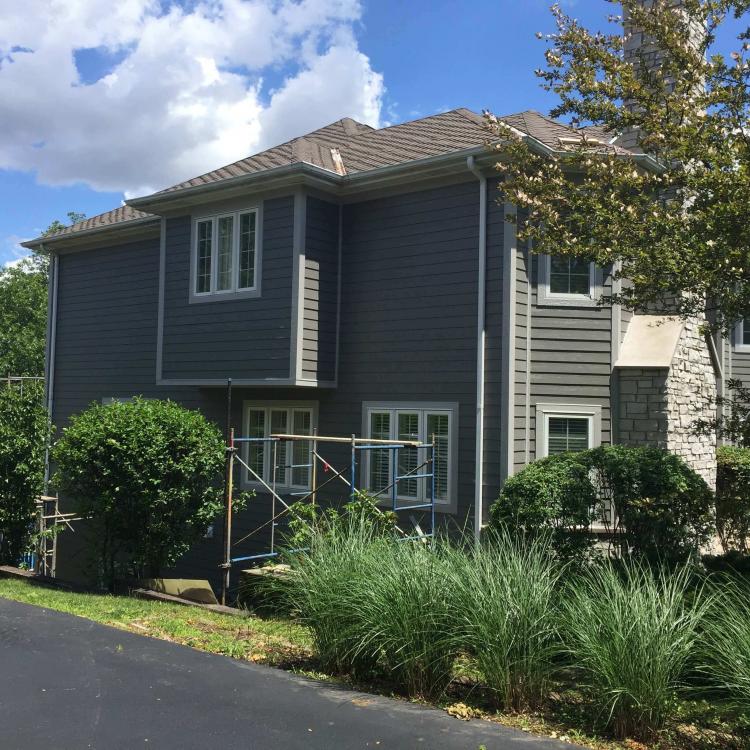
482, 251
50, 363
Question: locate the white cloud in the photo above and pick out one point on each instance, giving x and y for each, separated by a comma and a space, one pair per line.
11, 252
187, 94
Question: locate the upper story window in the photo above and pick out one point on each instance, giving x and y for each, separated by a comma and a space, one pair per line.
565, 280
742, 335
413, 423
226, 254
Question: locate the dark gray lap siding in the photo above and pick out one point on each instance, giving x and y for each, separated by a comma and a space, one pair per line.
240, 338
409, 311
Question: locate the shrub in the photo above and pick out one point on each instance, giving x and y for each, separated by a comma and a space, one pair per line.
145, 473
663, 510
629, 633
725, 649
23, 437
552, 495
505, 613
733, 498
307, 519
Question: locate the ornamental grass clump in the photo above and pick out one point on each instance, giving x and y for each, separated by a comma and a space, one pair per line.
504, 600
629, 633
724, 657
325, 590
407, 618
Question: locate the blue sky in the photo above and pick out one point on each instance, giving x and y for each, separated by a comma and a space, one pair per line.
105, 110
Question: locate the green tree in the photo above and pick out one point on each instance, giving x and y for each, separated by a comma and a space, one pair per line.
23, 428
677, 221
23, 310
147, 475
23, 318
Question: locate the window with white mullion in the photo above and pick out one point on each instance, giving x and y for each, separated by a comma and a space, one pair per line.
226, 253
265, 421
410, 425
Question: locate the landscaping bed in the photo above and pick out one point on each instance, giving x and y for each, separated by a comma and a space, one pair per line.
283, 643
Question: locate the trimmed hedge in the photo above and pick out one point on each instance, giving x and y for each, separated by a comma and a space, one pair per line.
663, 509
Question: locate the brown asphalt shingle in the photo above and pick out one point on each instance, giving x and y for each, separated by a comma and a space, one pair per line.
360, 148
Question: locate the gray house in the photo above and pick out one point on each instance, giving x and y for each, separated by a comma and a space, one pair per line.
367, 282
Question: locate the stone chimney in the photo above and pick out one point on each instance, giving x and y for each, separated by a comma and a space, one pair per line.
640, 50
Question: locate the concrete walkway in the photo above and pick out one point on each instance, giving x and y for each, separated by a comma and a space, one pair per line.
68, 683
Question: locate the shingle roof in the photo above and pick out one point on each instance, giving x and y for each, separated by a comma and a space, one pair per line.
119, 215
350, 147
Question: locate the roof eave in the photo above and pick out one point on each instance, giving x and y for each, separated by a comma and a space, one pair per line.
61, 239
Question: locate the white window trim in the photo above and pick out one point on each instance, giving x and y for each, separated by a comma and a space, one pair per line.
234, 292
592, 412
448, 504
546, 297
268, 406
739, 335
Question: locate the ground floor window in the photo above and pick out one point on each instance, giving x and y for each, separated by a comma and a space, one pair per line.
564, 428
412, 423
292, 458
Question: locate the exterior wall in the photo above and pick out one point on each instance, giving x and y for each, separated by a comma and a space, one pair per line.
643, 407
408, 334
563, 356
237, 338
320, 291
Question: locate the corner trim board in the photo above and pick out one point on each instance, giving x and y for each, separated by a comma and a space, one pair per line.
298, 284
510, 241
160, 307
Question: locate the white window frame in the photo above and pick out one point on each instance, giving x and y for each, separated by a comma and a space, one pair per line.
235, 291
448, 503
269, 406
546, 297
739, 336
591, 412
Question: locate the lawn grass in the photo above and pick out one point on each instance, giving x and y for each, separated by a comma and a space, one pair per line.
266, 641
283, 643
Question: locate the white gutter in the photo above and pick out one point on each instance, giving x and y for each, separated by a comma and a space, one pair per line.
482, 251
50, 363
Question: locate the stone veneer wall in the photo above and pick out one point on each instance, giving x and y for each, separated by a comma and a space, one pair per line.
657, 406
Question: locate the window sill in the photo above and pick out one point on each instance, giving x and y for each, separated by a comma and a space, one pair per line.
224, 296
564, 300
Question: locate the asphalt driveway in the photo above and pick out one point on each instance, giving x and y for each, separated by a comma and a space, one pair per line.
68, 683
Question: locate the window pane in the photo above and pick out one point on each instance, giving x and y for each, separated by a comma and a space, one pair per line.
437, 425
408, 458
203, 272
247, 251
224, 270
301, 450
567, 434
279, 426
569, 275
746, 331
380, 429
256, 451
580, 276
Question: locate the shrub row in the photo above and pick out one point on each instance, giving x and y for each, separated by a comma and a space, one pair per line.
629, 636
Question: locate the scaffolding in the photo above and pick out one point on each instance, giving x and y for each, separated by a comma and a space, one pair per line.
347, 475
49, 521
